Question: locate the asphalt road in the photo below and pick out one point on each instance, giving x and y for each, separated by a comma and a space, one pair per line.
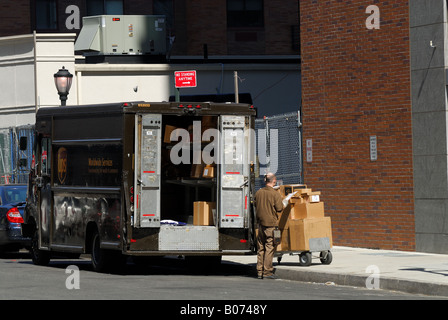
165, 279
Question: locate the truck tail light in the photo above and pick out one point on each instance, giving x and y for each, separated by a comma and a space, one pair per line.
14, 216
131, 191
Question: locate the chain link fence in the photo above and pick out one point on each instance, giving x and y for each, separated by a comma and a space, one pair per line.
279, 148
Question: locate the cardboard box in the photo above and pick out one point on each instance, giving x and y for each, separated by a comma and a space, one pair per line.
311, 196
208, 172
284, 217
197, 170
203, 213
208, 122
307, 210
290, 188
294, 200
167, 137
302, 230
284, 243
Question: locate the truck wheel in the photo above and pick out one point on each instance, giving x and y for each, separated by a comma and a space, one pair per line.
105, 260
39, 257
305, 259
99, 256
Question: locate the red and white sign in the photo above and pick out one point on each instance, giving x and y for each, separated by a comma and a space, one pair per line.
185, 79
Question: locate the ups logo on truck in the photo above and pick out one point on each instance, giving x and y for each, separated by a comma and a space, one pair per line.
62, 165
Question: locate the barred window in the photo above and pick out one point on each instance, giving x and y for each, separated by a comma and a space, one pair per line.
99, 7
46, 17
245, 13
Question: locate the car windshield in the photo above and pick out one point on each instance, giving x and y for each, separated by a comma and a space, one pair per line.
13, 194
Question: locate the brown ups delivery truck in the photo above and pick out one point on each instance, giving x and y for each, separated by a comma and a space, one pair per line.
141, 179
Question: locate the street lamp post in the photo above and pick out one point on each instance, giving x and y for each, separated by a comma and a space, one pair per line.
63, 81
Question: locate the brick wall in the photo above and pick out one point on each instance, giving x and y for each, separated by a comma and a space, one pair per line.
206, 24
280, 17
14, 17
356, 84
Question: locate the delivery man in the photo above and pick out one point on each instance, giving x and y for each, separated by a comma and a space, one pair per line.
268, 203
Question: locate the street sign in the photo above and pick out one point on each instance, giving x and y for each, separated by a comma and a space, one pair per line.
185, 79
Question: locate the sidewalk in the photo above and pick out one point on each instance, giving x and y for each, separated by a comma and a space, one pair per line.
411, 272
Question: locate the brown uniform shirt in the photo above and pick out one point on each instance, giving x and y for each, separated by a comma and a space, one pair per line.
268, 203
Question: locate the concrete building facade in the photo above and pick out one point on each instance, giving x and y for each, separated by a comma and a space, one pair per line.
28, 63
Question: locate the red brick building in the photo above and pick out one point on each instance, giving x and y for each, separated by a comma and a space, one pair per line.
15, 17
227, 27
356, 84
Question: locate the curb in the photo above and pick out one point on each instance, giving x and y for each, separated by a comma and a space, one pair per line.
353, 280
406, 286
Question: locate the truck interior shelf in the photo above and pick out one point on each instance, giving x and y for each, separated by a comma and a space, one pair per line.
193, 182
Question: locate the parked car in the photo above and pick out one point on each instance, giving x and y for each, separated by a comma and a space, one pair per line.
12, 205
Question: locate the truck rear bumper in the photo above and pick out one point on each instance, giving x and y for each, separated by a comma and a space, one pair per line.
189, 253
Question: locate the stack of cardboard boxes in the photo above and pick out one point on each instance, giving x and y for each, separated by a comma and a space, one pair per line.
302, 219
204, 213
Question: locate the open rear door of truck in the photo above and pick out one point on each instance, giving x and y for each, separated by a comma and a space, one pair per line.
234, 173
148, 146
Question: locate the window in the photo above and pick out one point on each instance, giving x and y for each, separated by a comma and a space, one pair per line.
245, 13
46, 17
15, 194
45, 156
99, 7
165, 8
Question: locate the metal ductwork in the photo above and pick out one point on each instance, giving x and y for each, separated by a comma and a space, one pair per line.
123, 35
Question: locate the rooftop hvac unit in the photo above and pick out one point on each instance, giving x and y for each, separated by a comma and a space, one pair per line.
123, 35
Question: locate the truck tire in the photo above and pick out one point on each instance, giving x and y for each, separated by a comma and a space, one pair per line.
39, 257
99, 256
105, 260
